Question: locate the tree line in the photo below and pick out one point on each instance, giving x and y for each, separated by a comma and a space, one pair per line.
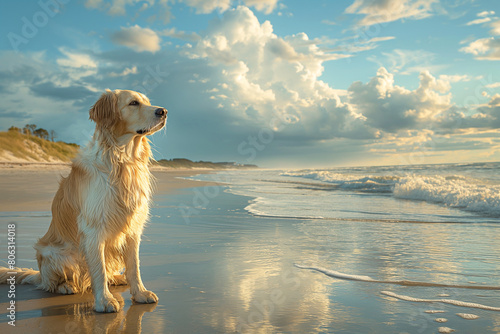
31, 129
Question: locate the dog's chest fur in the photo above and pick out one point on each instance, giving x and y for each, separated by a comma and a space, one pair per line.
118, 194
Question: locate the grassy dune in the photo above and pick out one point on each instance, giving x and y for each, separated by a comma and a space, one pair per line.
31, 147
34, 149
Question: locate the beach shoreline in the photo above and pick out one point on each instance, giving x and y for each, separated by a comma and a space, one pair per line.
32, 186
217, 268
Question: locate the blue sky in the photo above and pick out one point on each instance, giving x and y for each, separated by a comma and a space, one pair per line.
272, 82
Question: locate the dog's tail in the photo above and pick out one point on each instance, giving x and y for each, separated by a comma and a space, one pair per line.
20, 275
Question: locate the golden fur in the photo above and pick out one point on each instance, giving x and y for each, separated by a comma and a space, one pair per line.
100, 209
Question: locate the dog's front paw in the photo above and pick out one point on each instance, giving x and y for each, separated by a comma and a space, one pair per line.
145, 297
106, 305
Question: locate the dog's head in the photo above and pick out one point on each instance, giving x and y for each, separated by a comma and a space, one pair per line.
127, 113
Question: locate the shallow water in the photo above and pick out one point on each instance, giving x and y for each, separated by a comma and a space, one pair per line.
426, 193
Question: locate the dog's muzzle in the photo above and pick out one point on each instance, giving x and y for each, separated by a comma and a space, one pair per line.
161, 112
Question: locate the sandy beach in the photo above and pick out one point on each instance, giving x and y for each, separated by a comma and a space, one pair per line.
31, 187
217, 268
27, 192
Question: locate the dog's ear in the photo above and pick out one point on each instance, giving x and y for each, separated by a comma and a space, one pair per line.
105, 111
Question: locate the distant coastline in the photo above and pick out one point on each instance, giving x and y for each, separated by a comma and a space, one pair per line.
27, 150
187, 164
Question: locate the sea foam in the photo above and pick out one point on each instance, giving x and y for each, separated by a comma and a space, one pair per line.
451, 191
454, 191
368, 183
444, 301
362, 278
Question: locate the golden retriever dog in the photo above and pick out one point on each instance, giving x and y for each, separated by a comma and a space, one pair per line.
99, 211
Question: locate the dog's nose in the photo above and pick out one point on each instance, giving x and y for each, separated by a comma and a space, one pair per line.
160, 112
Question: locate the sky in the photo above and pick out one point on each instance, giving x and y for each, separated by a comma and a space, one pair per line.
277, 83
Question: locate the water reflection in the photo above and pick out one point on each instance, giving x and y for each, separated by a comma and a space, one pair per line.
238, 275
259, 290
230, 272
74, 314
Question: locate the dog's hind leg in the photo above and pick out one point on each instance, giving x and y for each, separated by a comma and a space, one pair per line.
58, 267
119, 280
51, 275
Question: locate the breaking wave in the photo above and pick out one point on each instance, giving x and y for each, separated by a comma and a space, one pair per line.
455, 191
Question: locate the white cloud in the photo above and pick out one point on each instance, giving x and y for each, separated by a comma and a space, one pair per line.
357, 43
246, 75
179, 34
403, 141
380, 39
389, 107
484, 18
208, 6
39, 91
377, 12
76, 60
479, 21
427, 146
244, 90
125, 72
137, 38
119, 7
455, 77
263, 76
432, 127
495, 27
162, 7
329, 22
493, 85
495, 101
266, 6
406, 61
159, 8
484, 48
486, 13
485, 116
77, 64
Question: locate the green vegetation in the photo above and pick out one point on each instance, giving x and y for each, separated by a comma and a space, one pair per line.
30, 129
31, 143
29, 146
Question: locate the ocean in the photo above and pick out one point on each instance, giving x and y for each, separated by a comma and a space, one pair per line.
458, 193
391, 249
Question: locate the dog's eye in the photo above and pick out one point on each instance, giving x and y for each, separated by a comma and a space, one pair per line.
133, 103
